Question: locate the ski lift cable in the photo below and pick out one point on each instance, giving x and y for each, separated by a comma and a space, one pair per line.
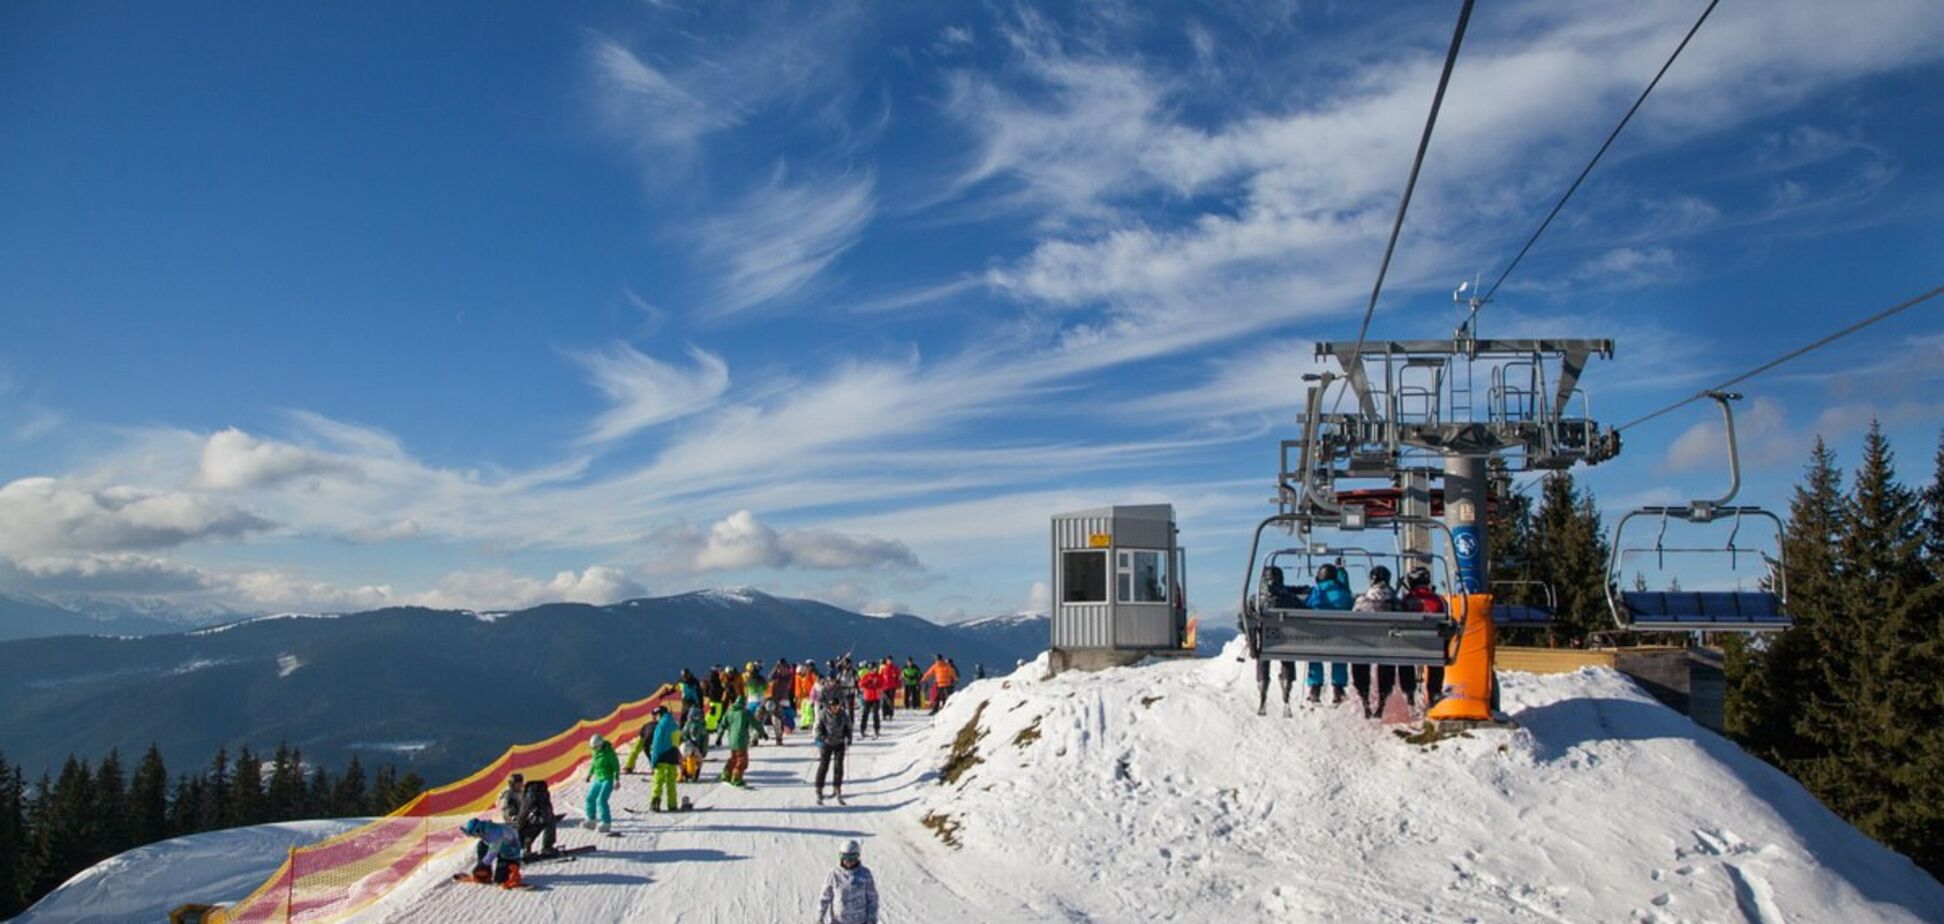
1410, 185
1596, 157
1886, 313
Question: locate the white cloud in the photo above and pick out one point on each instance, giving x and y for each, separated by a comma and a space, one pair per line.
645, 392
98, 573
776, 239
500, 589
234, 459
1039, 598
49, 515
386, 532
741, 542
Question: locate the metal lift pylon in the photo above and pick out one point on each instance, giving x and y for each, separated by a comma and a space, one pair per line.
1400, 432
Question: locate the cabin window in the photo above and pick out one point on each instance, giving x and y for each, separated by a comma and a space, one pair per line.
1083, 577
1141, 576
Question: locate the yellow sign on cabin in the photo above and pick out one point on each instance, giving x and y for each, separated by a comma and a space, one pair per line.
1099, 540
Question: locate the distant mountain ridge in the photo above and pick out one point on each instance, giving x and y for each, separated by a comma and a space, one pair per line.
26, 616
443, 691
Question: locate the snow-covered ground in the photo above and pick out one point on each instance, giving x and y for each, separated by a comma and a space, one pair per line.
1155, 793
146, 883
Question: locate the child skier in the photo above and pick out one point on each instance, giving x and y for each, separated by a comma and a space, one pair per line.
603, 775
734, 728
850, 896
497, 856
695, 744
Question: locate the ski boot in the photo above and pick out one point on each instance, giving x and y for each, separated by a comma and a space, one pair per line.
820, 797
482, 874
606, 828
1315, 695
839, 795
588, 823
1336, 695
512, 880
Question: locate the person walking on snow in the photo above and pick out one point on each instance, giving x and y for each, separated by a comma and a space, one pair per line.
833, 733
665, 753
1379, 598
603, 775
496, 858
873, 689
913, 678
734, 728
888, 684
1332, 592
850, 897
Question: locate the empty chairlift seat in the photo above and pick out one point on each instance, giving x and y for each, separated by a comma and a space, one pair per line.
1685, 611
1520, 615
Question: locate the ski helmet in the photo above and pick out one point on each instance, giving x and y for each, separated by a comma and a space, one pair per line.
851, 851
596, 741
1379, 575
473, 827
1420, 576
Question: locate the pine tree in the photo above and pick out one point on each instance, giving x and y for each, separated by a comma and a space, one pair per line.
148, 800
1570, 553
403, 791
317, 801
13, 834
110, 835
65, 836
246, 790
187, 805
1934, 515
34, 849
284, 799
215, 799
350, 799
380, 800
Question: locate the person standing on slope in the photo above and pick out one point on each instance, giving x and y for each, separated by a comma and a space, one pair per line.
913, 679
805, 690
734, 729
850, 897
1379, 598
1332, 592
833, 733
603, 775
695, 743
666, 754
942, 677
888, 683
873, 689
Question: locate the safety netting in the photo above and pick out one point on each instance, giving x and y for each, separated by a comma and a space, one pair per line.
339, 876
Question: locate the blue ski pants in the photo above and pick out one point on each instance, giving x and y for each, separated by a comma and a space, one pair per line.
1339, 674
597, 801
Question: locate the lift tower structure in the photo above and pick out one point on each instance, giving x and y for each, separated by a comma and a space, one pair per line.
1416, 417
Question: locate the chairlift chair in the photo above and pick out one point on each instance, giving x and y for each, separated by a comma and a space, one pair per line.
1523, 615
1282, 628
1763, 610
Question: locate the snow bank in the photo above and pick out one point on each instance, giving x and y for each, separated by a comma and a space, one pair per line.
146, 883
1156, 793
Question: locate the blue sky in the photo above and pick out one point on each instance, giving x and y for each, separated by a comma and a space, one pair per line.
486, 305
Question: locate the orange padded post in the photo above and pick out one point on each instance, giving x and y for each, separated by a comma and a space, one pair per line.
1468, 681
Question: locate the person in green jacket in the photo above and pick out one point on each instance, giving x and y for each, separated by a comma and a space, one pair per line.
603, 774
734, 728
911, 676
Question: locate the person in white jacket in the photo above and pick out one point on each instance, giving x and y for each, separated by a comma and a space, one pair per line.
850, 897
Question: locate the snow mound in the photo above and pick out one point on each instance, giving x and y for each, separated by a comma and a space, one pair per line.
146, 883
1155, 792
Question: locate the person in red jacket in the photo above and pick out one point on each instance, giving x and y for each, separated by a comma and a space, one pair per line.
888, 677
1420, 598
872, 686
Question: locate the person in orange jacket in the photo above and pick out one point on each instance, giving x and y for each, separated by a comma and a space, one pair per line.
942, 677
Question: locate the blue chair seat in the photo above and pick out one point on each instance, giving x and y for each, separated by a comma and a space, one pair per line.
1685, 611
1519, 614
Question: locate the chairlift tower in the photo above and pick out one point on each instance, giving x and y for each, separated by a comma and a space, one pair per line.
1413, 418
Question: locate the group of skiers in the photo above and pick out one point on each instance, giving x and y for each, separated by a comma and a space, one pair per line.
1332, 592
840, 701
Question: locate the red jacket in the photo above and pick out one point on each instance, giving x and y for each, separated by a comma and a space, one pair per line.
888, 676
1422, 600
872, 685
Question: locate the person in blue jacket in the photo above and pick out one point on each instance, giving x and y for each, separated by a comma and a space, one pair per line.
1332, 592
496, 858
665, 750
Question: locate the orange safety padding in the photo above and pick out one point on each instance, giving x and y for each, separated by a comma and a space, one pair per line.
341, 875
1468, 681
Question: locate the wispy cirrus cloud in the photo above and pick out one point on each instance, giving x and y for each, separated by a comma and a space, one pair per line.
644, 392
773, 241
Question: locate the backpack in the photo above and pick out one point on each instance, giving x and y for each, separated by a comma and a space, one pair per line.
536, 804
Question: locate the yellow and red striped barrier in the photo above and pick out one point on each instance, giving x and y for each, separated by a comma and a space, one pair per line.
341, 875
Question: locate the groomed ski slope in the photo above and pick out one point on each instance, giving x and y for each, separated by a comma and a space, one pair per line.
1154, 793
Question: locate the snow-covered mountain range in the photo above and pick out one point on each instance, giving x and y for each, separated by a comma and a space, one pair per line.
445, 691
